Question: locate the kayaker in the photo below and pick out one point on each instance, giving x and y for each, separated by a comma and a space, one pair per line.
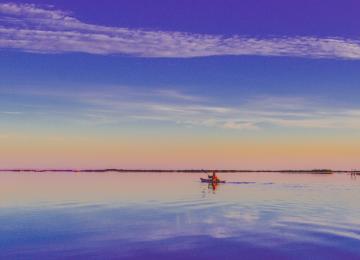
213, 177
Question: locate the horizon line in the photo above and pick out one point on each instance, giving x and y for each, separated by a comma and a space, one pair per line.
195, 170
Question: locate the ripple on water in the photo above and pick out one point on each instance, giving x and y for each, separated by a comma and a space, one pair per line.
272, 218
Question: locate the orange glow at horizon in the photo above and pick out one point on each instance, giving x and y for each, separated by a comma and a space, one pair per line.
171, 152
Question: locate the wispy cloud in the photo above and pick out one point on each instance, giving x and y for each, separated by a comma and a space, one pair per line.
10, 113
174, 94
33, 28
110, 107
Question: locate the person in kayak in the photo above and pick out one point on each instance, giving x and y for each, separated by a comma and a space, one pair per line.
213, 178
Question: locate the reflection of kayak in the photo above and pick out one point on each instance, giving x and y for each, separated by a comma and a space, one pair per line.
210, 181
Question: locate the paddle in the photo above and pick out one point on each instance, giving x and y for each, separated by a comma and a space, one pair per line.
205, 172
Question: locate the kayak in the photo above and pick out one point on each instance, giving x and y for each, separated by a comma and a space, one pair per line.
210, 181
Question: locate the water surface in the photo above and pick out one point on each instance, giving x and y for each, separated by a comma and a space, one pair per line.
174, 216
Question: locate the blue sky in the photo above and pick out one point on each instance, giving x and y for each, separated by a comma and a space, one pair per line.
217, 68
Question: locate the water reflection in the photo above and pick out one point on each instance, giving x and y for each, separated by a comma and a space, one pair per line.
162, 216
213, 186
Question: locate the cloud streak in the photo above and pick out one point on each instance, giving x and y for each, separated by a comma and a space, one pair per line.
33, 28
114, 108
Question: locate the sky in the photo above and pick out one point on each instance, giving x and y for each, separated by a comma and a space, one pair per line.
172, 84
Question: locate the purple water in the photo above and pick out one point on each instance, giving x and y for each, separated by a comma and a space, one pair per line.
174, 216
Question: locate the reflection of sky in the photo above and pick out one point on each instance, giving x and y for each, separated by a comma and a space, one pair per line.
167, 214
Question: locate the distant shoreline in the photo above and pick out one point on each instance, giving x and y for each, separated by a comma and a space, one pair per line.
314, 171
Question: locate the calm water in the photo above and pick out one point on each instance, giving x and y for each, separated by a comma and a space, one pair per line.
174, 216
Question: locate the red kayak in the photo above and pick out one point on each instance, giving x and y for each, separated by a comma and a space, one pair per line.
210, 181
